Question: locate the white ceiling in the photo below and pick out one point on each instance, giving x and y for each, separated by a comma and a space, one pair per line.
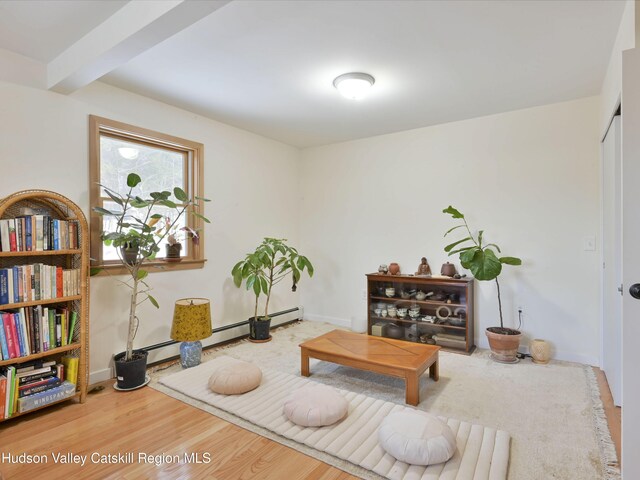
268, 66
42, 29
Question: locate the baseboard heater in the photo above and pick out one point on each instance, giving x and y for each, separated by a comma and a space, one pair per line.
229, 327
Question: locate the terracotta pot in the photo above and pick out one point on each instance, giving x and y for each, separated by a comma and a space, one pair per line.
504, 348
540, 351
394, 268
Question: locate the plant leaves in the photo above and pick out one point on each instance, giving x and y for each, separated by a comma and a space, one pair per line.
94, 271
467, 257
114, 197
480, 237
485, 265
461, 250
142, 274
453, 212
133, 179
452, 229
202, 217
103, 211
180, 194
511, 260
493, 245
168, 203
451, 245
153, 301
256, 288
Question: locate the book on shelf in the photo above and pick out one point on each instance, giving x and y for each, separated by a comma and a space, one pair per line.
71, 368
4, 348
24, 379
38, 233
8, 407
3, 394
62, 391
37, 387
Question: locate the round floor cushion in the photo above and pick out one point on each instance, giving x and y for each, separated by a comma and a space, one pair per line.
235, 378
315, 406
417, 438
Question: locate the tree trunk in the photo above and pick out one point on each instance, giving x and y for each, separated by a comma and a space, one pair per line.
133, 324
499, 303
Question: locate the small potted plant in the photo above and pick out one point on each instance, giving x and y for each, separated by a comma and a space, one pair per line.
136, 243
174, 234
485, 265
271, 262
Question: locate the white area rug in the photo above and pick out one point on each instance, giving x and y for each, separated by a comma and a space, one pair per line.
552, 412
482, 453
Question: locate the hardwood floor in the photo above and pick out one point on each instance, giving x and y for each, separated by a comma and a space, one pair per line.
613, 413
148, 422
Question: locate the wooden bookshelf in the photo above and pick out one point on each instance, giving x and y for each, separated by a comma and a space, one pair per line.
56, 206
453, 332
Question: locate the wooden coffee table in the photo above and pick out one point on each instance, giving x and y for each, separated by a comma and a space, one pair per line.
375, 354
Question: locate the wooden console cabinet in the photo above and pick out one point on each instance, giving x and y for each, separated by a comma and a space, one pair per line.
438, 309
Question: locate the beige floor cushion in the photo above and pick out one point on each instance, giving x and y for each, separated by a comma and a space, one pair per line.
417, 438
315, 405
235, 378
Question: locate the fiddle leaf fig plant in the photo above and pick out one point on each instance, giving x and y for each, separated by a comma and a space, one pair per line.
484, 260
271, 262
135, 219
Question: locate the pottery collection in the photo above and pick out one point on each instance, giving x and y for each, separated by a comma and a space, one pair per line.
394, 268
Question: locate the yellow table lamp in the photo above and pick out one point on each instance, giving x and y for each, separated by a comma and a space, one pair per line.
191, 323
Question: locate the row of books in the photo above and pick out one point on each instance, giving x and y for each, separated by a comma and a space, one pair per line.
35, 384
37, 281
38, 233
29, 330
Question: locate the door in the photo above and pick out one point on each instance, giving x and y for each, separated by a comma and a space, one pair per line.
630, 263
611, 261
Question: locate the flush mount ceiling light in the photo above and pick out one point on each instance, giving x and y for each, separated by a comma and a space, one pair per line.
354, 85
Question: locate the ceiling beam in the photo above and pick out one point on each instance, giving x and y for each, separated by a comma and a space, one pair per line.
133, 29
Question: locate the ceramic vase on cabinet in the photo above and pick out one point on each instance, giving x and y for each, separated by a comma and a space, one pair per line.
394, 268
540, 351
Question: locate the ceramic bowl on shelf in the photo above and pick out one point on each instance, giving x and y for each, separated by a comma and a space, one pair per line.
377, 311
383, 313
392, 311
414, 308
402, 312
390, 292
413, 314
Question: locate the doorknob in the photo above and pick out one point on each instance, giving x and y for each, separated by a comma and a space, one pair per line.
634, 290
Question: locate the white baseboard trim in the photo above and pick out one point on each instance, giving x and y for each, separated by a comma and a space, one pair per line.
100, 376
564, 356
339, 322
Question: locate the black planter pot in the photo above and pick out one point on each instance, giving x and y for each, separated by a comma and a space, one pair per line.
173, 252
131, 374
130, 254
259, 330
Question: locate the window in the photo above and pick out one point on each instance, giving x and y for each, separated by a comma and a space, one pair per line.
163, 162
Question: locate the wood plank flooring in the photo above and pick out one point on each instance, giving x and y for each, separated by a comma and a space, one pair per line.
148, 422
613, 413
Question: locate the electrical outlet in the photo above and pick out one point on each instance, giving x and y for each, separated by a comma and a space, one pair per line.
520, 309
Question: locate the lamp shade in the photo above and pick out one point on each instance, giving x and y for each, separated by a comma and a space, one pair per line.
191, 320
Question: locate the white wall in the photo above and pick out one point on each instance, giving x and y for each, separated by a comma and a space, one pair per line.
251, 180
529, 178
612, 85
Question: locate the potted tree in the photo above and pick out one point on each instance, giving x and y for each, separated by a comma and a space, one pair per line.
271, 262
485, 265
136, 241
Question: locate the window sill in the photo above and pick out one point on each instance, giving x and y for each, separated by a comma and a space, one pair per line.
151, 267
